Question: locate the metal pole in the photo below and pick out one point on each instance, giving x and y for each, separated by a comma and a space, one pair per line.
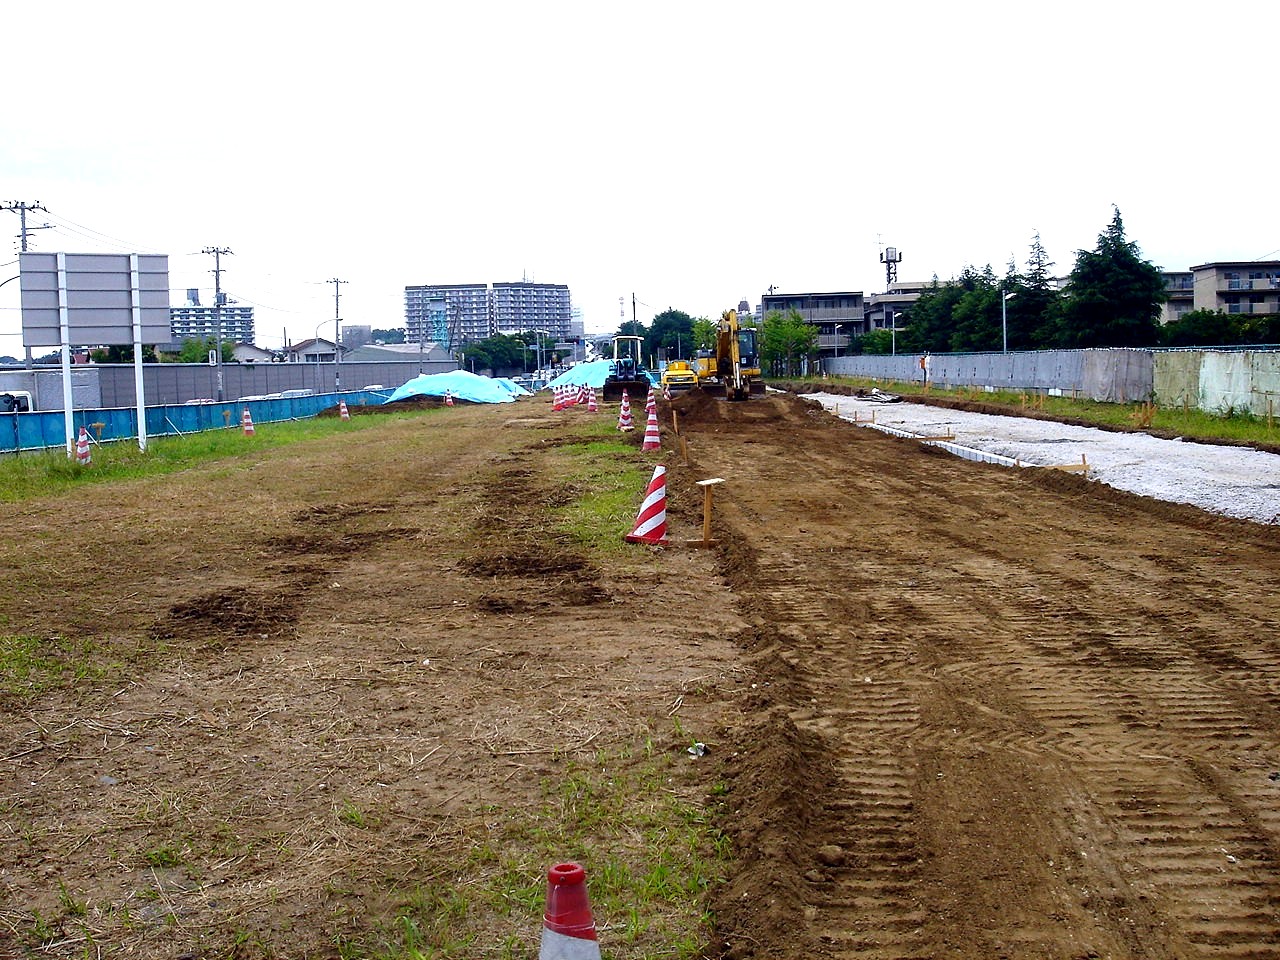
1004, 322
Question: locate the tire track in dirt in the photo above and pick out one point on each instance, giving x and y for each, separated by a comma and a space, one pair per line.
1052, 720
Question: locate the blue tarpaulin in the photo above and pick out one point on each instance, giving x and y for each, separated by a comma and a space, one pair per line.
591, 374
461, 384
508, 384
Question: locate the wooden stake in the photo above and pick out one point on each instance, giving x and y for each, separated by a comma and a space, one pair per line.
684, 452
706, 486
675, 422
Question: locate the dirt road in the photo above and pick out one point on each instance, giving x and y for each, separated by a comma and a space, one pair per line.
961, 711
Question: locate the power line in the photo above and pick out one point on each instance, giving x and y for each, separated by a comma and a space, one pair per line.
20, 207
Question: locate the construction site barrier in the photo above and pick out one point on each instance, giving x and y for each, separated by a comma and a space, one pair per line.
38, 430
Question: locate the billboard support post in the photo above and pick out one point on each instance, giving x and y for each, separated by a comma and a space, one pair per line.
64, 334
135, 284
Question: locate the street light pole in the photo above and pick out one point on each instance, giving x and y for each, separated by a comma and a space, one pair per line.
1004, 320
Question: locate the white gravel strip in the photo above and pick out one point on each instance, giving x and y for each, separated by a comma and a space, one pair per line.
1233, 481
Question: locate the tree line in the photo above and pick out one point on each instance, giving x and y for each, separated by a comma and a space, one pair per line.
1112, 298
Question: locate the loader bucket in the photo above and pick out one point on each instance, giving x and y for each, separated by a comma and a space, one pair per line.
636, 389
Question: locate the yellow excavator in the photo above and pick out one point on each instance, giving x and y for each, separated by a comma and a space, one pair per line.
733, 368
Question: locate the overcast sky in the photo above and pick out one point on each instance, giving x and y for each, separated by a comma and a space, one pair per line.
691, 153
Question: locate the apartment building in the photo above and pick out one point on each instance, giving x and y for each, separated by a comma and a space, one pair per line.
447, 313
452, 314
1237, 286
194, 322
838, 316
532, 306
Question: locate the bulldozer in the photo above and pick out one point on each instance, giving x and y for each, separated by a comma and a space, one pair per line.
733, 369
625, 371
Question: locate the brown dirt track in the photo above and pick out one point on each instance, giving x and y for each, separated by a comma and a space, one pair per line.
964, 712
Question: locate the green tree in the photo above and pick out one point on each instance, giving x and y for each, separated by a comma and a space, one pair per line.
1113, 296
670, 335
1036, 301
197, 350
786, 341
504, 354
703, 333
391, 335
975, 316
879, 342
122, 353
1206, 328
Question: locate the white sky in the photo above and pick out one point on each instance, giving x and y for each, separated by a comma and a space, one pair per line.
690, 152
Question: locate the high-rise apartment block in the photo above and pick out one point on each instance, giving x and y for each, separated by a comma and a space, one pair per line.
195, 322
455, 313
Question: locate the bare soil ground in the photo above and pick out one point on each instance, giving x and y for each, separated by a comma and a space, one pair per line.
962, 711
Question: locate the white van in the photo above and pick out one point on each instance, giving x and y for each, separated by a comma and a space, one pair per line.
16, 401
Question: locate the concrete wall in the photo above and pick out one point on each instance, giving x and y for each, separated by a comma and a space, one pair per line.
1216, 381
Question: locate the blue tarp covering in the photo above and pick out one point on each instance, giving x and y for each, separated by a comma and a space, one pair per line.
591, 374
462, 384
509, 384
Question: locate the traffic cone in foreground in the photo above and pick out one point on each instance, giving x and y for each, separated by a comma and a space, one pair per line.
246, 423
651, 521
624, 413
448, 399
568, 929
649, 400
652, 440
83, 456
343, 412
592, 406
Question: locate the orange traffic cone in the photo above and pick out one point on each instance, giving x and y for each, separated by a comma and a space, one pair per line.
652, 440
568, 929
592, 406
343, 412
448, 399
246, 423
624, 413
83, 456
651, 521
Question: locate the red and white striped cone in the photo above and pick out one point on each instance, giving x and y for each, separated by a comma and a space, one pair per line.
649, 400
448, 399
343, 412
651, 521
666, 392
652, 440
582, 394
246, 422
83, 457
624, 413
568, 928
592, 406
557, 402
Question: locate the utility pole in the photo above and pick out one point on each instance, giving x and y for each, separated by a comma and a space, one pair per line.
337, 337
218, 253
20, 207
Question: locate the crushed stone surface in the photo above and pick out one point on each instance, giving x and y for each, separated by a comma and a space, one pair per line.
1233, 481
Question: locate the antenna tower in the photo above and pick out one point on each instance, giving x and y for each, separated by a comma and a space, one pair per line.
890, 257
